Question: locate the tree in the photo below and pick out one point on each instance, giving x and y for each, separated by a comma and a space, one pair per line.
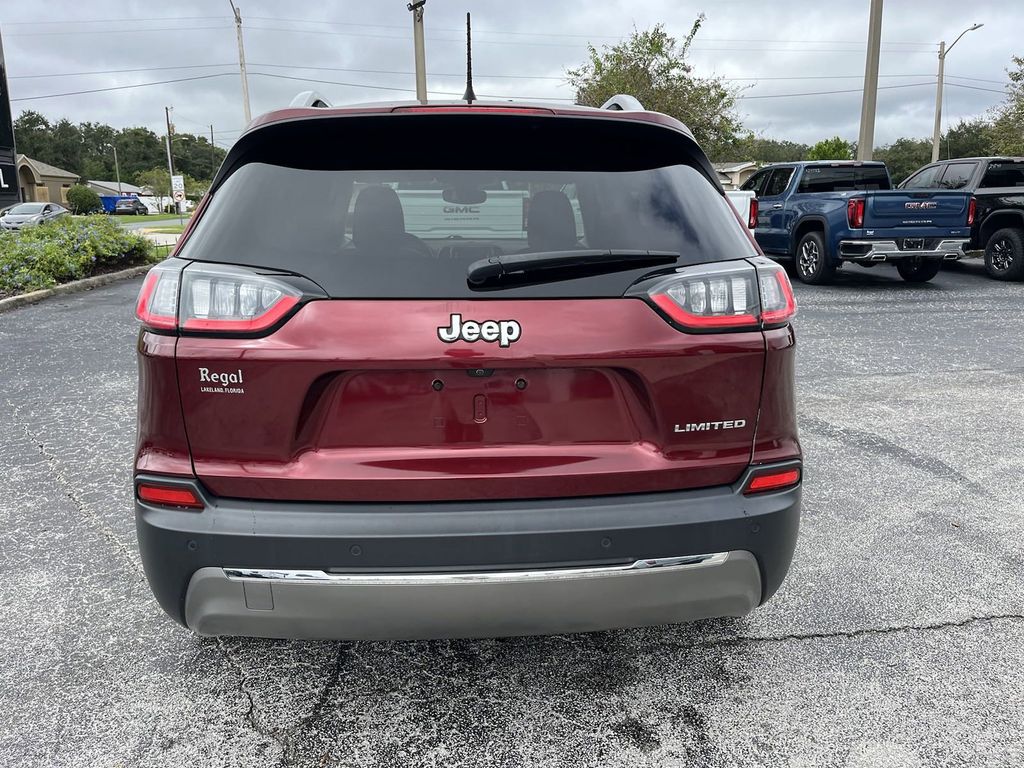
652, 66
831, 149
157, 180
83, 199
31, 133
761, 150
904, 156
1008, 128
968, 138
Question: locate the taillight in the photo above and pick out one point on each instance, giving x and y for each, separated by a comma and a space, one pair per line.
215, 298
231, 299
972, 211
726, 296
169, 496
855, 212
752, 216
772, 480
157, 306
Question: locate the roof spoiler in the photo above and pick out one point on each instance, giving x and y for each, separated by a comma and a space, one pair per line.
310, 99
622, 102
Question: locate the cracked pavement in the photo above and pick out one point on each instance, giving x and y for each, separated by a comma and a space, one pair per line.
896, 640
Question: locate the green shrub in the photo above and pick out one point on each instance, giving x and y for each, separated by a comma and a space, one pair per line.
82, 199
67, 249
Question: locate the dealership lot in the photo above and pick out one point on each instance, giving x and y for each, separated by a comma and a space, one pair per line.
895, 641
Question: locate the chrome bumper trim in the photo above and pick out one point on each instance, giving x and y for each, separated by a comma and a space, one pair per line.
882, 250
470, 577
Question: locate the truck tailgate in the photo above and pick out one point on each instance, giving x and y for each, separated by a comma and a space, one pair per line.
930, 208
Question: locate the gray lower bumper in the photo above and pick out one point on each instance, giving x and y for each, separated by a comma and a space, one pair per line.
405, 606
890, 250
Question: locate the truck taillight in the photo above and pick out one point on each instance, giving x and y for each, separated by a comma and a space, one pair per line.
214, 298
972, 211
731, 296
855, 212
752, 216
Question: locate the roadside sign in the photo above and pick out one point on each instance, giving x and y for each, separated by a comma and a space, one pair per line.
178, 185
179, 195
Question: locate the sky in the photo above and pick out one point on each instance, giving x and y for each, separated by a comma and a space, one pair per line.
521, 49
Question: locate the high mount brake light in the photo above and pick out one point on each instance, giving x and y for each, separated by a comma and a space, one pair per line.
215, 298
726, 297
774, 480
855, 212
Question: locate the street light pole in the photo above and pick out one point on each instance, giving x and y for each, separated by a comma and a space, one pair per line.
417, 40
943, 52
117, 171
866, 141
241, 62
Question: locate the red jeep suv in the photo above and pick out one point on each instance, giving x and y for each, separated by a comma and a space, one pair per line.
464, 371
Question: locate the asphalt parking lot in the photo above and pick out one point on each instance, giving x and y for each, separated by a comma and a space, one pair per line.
897, 639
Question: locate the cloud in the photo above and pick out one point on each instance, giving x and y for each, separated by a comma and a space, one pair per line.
521, 50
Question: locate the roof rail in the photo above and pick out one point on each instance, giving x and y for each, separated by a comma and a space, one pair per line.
309, 99
624, 103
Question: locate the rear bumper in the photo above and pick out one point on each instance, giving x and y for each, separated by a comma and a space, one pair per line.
466, 569
893, 250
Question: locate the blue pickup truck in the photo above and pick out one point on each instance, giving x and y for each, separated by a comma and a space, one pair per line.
827, 214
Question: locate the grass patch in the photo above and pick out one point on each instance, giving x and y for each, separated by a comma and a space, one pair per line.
70, 248
167, 230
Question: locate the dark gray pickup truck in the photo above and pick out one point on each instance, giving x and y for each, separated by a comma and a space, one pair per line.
997, 184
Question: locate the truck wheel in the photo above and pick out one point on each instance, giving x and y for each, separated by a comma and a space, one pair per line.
812, 265
1004, 254
918, 270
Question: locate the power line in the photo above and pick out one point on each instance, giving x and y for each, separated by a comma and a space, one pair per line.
112, 21
828, 93
403, 90
405, 72
574, 35
116, 71
122, 87
977, 88
113, 31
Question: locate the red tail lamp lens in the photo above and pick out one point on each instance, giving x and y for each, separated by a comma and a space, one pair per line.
972, 211
169, 497
855, 212
773, 481
752, 216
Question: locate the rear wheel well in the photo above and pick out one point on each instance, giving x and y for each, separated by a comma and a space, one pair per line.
802, 229
998, 221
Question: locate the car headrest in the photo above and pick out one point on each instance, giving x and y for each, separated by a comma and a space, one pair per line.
377, 219
551, 225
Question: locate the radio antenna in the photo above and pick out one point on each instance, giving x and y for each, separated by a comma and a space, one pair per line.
469, 97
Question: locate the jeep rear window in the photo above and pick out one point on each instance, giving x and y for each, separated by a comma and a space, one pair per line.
843, 178
383, 232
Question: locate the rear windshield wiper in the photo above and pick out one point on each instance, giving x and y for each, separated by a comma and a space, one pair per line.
523, 264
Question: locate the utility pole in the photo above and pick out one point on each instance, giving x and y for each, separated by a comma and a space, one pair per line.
865, 144
421, 58
170, 160
943, 50
241, 62
117, 171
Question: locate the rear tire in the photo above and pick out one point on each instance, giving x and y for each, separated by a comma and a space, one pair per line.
918, 270
1004, 254
812, 264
